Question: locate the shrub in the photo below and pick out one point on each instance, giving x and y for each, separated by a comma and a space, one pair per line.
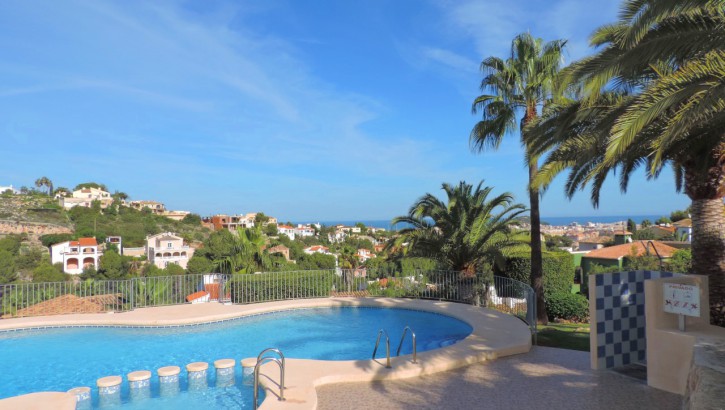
558, 271
567, 306
251, 288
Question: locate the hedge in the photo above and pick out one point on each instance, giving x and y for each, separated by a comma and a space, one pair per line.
558, 271
567, 306
252, 288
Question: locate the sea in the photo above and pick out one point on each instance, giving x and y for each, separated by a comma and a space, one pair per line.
551, 220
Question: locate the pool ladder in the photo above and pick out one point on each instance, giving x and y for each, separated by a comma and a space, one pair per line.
382, 332
262, 359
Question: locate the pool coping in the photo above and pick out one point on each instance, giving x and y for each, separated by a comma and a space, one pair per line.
494, 334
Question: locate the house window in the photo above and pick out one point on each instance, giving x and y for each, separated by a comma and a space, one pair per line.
168, 245
166, 264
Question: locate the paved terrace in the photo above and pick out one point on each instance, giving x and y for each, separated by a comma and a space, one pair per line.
545, 378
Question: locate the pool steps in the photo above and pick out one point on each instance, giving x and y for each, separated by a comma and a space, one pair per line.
139, 382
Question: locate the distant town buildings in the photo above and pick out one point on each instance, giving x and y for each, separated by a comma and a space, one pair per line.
167, 248
76, 255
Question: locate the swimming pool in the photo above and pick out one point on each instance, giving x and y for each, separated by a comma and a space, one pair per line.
58, 359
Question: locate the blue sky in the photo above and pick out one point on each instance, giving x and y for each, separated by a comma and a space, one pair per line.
305, 110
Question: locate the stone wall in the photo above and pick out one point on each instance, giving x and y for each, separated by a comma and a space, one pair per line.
706, 381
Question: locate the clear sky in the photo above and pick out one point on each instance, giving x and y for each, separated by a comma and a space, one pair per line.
305, 110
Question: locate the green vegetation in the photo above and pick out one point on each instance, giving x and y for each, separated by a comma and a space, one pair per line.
650, 97
131, 224
564, 336
466, 234
567, 306
558, 271
522, 83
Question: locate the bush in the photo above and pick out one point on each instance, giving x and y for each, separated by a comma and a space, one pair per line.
252, 288
567, 306
558, 271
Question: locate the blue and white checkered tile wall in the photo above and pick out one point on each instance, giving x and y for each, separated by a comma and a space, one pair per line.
620, 317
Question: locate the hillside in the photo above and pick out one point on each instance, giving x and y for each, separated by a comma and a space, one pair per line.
37, 215
32, 208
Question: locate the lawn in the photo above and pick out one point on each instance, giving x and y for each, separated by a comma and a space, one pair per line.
574, 336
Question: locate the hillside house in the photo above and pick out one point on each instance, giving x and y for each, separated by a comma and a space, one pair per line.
683, 229
85, 197
591, 244
76, 255
155, 207
167, 248
613, 256
317, 249
9, 188
364, 254
281, 249
288, 230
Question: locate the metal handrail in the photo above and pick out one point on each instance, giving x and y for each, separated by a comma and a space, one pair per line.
387, 347
261, 359
402, 338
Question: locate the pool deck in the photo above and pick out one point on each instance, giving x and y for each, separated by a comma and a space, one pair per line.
494, 335
545, 378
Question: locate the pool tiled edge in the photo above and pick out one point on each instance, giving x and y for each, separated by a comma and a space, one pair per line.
494, 335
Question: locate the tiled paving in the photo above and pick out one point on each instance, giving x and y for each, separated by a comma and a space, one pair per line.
546, 378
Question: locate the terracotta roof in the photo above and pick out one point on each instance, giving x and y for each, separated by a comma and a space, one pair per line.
668, 229
684, 223
88, 242
197, 295
599, 239
641, 247
622, 233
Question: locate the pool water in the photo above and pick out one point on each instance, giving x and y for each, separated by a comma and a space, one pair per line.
62, 358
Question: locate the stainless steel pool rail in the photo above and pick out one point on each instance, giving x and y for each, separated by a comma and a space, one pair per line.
402, 338
262, 359
387, 347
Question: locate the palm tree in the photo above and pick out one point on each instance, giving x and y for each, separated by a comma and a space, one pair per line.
247, 255
45, 182
652, 96
465, 234
521, 84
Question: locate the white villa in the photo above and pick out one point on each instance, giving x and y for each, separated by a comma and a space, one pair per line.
364, 254
305, 230
85, 197
9, 188
288, 230
683, 229
165, 248
76, 255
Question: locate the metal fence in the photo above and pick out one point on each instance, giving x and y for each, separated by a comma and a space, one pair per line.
93, 296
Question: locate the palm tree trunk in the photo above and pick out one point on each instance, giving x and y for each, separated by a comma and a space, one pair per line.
708, 233
537, 270
708, 252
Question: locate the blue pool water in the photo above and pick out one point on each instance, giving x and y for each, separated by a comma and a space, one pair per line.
59, 359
